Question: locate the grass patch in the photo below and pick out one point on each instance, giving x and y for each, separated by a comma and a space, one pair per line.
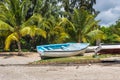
74, 60
108, 55
68, 60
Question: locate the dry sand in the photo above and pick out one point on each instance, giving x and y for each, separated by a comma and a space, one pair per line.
86, 72
12, 58
81, 72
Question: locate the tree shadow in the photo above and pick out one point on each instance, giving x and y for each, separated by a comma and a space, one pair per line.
9, 55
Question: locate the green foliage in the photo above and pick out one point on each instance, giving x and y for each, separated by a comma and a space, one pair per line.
85, 24
110, 33
47, 8
55, 30
70, 5
116, 28
13, 19
95, 35
32, 31
47, 21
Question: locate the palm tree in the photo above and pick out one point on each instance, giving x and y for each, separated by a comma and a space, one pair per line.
85, 26
112, 33
116, 27
56, 32
33, 31
47, 7
70, 5
12, 17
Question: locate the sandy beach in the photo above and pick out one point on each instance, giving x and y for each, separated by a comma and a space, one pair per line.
83, 72
14, 67
12, 58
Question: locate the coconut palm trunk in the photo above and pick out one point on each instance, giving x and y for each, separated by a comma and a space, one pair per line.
18, 41
19, 48
33, 44
79, 39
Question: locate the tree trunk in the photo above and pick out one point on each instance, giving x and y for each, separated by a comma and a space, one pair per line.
79, 38
18, 43
33, 44
19, 49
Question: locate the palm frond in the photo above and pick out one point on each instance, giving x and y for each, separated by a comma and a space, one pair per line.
9, 39
5, 27
95, 35
32, 31
63, 36
65, 21
41, 32
115, 37
33, 19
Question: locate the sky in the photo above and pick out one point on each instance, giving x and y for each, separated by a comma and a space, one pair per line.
109, 11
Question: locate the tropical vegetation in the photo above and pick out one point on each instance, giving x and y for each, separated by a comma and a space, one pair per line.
24, 24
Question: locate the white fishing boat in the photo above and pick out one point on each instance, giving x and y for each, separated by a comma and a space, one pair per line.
109, 49
62, 50
105, 49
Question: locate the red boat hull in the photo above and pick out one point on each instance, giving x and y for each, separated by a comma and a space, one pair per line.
110, 51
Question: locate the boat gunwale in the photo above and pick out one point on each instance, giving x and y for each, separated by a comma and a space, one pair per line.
65, 50
62, 50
